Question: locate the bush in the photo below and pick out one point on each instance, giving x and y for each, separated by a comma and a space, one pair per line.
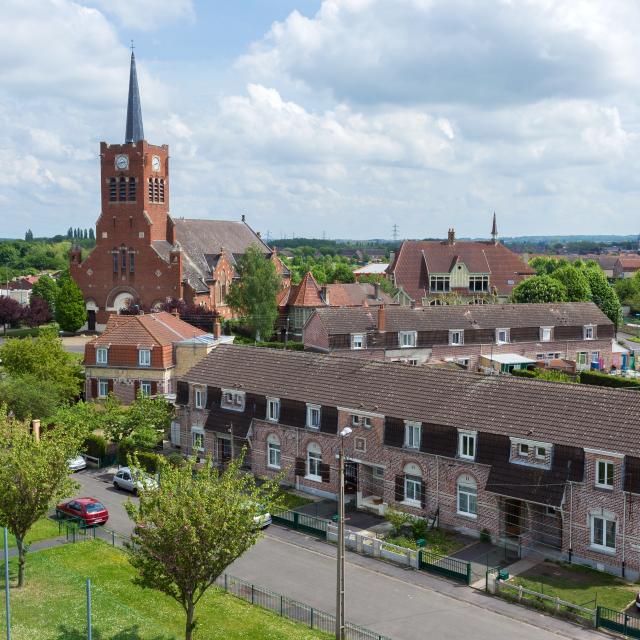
604, 380
175, 459
95, 446
148, 461
398, 518
485, 535
524, 373
125, 448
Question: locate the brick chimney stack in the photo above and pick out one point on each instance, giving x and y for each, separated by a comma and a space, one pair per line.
451, 236
217, 328
381, 319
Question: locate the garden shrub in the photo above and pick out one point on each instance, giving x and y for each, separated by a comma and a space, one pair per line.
95, 445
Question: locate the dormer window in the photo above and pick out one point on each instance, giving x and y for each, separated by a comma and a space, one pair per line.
456, 337
313, 416
102, 355
232, 400
273, 409
545, 334
198, 398
357, 341
407, 339
502, 336
439, 284
523, 450
144, 357
604, 474
478, 283
588, 332
467, 445
360, 421
412, 433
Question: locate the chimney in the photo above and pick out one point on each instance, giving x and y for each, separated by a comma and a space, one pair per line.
376, 290
324, 293
243, 218
217, 328
381, 319
451, 236
35, 430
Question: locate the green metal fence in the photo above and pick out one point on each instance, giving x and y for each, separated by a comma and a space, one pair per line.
445, 565
618, 621
292, 609
301, 522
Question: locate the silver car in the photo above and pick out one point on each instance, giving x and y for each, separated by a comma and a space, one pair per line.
123, 479
77, 463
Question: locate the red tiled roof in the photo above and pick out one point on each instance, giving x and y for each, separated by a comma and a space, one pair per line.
157, 329
355, 294
305, 294
417, 258
629, 264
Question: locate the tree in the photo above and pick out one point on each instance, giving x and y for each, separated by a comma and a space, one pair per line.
37, 313
47, 289
192, 526
33, 476
43, 358
11, 311
254, 294
28, 236
603, 295
627, 288
70, 233
539, 289
27, 397
575, 283
342, 272
70, 310
92, 235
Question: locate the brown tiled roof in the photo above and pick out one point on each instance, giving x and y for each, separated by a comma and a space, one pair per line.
629, 263
354, 294
304, 294
417, 258
563, 414
480, 316
153, 329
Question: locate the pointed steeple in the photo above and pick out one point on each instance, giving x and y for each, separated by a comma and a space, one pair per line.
494, 229
134, 131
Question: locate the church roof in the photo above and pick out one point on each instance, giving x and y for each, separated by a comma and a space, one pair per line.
134, 131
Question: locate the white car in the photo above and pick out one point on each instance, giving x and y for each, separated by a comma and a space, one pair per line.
77, 463
123, 479
263, 519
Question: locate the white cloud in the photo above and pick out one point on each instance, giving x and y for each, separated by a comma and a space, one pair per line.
147, 15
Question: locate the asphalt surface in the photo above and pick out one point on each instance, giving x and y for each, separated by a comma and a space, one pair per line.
397, 602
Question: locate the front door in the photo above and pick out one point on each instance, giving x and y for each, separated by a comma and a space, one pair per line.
513, 514
91, 319
350, 476
224, 449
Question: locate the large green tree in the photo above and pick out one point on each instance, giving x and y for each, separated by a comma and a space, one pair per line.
47, 289
253, 294
33, 475
192, 526
27, 397
575, 283
603, 294
70, 312
539, 289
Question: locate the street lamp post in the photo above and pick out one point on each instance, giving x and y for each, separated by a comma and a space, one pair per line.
340, 577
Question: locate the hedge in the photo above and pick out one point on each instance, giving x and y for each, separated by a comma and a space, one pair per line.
604, 380
524, 373
95, 446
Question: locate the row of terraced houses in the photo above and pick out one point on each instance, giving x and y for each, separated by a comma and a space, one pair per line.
531, 463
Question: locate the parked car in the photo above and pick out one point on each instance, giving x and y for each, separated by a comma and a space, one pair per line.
76, 464
263, 519
123, 479
90, 510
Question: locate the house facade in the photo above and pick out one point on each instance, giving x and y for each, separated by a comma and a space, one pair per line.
538, 465
144, 354
143, 255
491, 338
626, 266
433, 272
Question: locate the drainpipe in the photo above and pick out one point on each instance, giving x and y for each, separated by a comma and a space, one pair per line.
624, 527
570, 521
437, 481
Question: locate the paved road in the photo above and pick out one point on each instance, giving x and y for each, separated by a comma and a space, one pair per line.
400, 603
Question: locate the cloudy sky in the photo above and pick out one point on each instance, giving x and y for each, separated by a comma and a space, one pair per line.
340, 117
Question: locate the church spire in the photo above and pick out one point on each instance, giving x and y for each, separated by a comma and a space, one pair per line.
494, 229
134, 131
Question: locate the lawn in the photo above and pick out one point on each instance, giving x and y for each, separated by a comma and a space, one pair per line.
43, 529
292, 501
578, 584
52, 604
441, 542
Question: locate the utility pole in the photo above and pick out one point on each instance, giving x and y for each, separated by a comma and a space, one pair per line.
341, 551
89, 630
395, 232
6, 582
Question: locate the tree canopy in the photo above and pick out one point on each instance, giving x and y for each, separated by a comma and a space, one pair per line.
539, 289
603, 294
47, 289
253, 294
574, 281
70, 311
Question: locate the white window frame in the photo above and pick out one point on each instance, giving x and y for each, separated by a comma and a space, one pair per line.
436, 280
607, 464
273, 409
584, 358
408, 339
460, 337
357, 341
199, 432
545, 334
467, 507
102, 355
311, 412
413, 489
198, 398
232, 400
145, 388
355, 420
412, 435
524, 453
274, 455
314, 466
588, 332
543, 455
144, 360
507, 337
466, 442
605, 521
103, 383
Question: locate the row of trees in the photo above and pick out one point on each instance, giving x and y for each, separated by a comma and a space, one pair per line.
78, 234
561, 281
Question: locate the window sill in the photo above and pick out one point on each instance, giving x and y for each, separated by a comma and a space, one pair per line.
467, 458
604, 550
407, 346
313, 478
603, 487
410, 448
416, 504
274, 467
471, 516
312, 428
236, 409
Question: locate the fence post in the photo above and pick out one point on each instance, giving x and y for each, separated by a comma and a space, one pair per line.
225, 583
519, 593
296, 518
89, 631
312, 617
113, 538
468, 573
281, 608
597, 616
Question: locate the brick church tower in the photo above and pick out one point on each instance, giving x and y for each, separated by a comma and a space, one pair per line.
142, 255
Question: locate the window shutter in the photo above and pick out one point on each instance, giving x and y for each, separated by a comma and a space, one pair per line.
110, 385
329, 419
182, 393
324, 472
399, 488
94, 387
136, 388
301, 467
394, 432
154, 388
213, 397
423, 495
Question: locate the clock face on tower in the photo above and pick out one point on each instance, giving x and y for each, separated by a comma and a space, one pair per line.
155, 163
122, 162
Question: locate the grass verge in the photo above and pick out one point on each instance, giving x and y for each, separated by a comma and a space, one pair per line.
437, 540
51, 606
43, 529
292, 501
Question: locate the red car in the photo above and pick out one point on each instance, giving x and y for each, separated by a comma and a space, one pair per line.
90, 510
